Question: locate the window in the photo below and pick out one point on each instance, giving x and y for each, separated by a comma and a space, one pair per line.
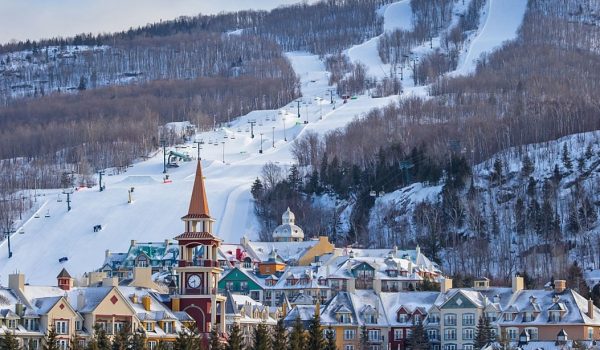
243, 286
513, 333
344, 318
326, 331
409, 332
31, 324
268, 294
433, 334
468, 319
554, 316
402, 318
528, 316
348, 347
349, 334
63, 344
416, 319
229, 285
533, 333
61, 327
468, 334
32, 344
450, 347
149, 326
12, 324
168, 327
371, 318
467, 347
374, 335
119, 327
398, 334
450, 334
151, 345
77, 325
433, 318
590, 333
450, 320
509, 316
255, 295
491, 316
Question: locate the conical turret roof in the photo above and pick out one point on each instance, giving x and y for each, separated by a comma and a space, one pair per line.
198, 204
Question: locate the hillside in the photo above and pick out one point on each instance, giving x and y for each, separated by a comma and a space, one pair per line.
159, 205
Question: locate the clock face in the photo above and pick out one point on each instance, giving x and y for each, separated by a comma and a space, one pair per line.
194, 281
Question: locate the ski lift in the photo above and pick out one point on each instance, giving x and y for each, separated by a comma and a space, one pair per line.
37, 215
239, 129
47, 214
372, 193
21, 231
232, 136
260, 123
381, 193
247, 129
59, 199
225, 136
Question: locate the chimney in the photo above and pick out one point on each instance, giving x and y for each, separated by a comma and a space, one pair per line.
175, 304
107, 253
134, 298
445, 285
496, 299
590, 312
80, 300
146, 302
142, 277
16, 281
110, 282
560, 286
133, 242
95, 277
517, 284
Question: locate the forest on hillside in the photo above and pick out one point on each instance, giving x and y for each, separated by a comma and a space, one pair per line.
536, 89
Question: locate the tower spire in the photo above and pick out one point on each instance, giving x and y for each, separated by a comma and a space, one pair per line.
198, 204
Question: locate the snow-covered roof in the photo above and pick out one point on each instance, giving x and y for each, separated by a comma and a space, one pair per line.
410, 301
287, 251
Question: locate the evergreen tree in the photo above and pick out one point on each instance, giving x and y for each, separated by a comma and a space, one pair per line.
82, 83
531, 186
294, 177
315, 333
74, 343
364, 338
527, 168
138, 341
566, 157
556, 175
418, 339
595, 295
215, 339
482, 336
262, 340
520, 217
257, 189
297, 337
329, 339
588, 151
497, 174
235, 338
187, 341
50, 340
9, 341
120, 341
279, 340
101, 338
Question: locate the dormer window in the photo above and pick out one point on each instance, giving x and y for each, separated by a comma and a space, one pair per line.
554, 316
392, 273
344, 317
528, 316
402, 318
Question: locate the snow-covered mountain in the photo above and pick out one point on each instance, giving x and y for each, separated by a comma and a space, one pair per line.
231, 160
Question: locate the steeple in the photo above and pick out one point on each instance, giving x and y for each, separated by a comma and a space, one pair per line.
198, 217
198, 204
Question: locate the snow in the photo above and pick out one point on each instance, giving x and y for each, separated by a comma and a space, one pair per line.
501, 23
230, 165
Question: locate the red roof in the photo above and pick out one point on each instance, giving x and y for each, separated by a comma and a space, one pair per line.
196, 235
198, 203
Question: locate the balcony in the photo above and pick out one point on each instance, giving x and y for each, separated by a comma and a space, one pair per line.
199, 263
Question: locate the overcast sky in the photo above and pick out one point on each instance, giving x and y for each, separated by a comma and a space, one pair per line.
35, 19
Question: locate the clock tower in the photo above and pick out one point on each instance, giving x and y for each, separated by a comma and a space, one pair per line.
198, 270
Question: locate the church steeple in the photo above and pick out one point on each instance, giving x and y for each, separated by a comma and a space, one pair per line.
198, 210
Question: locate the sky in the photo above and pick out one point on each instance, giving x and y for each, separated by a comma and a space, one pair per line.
36, 19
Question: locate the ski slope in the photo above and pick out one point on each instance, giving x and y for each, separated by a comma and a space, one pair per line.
231, 162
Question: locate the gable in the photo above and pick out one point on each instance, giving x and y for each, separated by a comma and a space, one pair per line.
459, 301
61, 310
237, 276
363, 266
114, 304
